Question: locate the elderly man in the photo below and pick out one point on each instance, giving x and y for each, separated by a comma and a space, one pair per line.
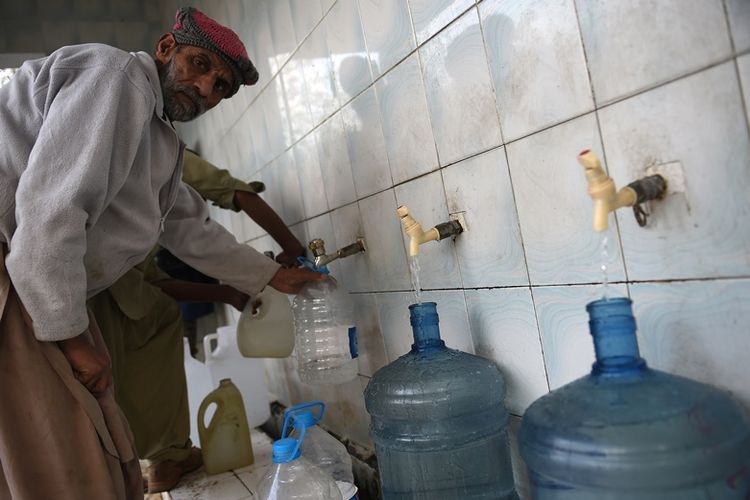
89, 182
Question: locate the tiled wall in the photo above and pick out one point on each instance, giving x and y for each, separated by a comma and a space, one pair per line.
481, 108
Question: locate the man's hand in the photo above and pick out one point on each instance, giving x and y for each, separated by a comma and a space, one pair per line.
90, 368
238, 299
292, 280
289, 259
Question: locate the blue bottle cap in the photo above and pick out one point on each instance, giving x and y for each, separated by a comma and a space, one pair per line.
285, 450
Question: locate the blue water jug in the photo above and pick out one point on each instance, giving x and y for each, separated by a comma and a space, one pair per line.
438, 421
628, 432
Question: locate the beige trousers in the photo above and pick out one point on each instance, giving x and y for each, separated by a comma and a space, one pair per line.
57, 441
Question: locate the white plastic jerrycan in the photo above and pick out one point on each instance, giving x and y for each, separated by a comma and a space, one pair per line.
269, 332
225, 440
199, 384
248, 374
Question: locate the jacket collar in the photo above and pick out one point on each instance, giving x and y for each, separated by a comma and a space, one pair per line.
148, 64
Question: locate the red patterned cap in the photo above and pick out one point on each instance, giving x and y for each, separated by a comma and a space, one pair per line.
192, 27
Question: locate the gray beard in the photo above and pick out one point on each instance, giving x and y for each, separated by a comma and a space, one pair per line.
176, 109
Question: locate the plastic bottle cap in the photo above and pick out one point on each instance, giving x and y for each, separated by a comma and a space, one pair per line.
285, 450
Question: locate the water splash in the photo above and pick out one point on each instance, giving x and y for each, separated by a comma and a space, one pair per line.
603, 268
414, 271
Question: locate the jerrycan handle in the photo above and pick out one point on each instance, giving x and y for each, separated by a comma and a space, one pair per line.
289, 414
207, 349
212, 397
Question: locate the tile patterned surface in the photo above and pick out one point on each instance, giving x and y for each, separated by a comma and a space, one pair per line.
282, 30
346, 42
563, 326
291, 197
295, 99
459, 92
425, 199
699, 122
430, 16
631, 46
504, 329
310, 176
406, 121
317, 68
371, 346
385, 247
739, 22
306, 15
365, 142
388, 32
743, 65
347, 229
537, 63
697, 330
393, 309
334, 162
489, 250
554, 207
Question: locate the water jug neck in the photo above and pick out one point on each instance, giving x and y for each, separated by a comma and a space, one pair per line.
613, 327
424, 324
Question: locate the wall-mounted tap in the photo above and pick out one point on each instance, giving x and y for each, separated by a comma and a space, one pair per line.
606, 197
417, 236
318, 249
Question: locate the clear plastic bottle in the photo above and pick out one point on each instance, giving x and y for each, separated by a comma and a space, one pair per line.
319, 447
199, 384
627, 432
325, 335
292, 477
248, 374
439, 424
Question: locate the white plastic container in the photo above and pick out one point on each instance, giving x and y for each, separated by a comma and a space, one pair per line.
348, 490
325, 335
226, 361
199, 384
269, 332
319, 447
292, 477
226, 438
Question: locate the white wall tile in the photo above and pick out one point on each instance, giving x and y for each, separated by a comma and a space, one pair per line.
743, 65
326, 4
555, 209
310, 176
296, 99
537, 63
459, 92
388, 32
262, 46
291, 198
563, 326
335, 163
504, 329
370, 339
347, 228
277, 119
489, 252
739, 22
425, 198
385, 246
430, 16
318, 71
346, 43
282, 30
698, 121
406, 121
697, 330
366, 145
393, 309
631, 46
306, 14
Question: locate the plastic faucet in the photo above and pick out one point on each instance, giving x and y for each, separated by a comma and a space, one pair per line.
608, 199
418, 236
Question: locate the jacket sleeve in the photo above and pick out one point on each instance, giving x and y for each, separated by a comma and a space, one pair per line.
92, 125
192, 236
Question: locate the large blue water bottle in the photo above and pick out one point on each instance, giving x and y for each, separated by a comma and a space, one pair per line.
627, 432
438, 421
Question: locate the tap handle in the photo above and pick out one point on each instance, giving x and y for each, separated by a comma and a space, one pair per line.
317, 246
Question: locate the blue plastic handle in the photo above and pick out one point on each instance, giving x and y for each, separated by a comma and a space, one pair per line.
289, 413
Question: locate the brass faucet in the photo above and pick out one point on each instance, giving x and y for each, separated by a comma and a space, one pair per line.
418, 236
318, 249
608, 199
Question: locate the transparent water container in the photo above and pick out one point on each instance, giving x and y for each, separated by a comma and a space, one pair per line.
225, 440
269, 331
627, 432
292, 477
248, 374
439, 424
199, 384
319, 447
325, 335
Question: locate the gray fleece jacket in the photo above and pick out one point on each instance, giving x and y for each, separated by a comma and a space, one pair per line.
90, 175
